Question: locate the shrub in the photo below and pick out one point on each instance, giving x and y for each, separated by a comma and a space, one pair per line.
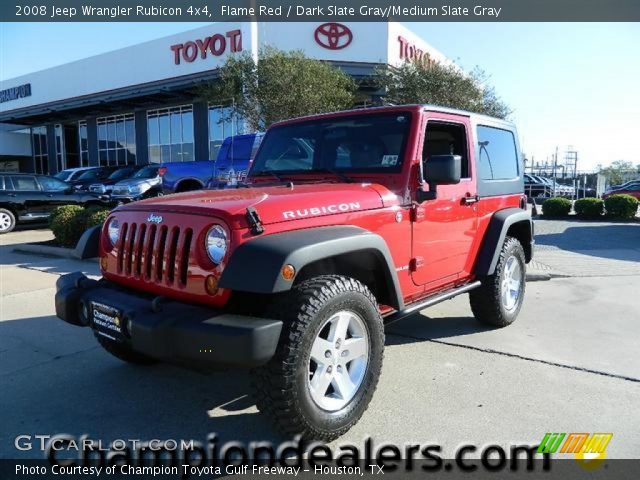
65, 225
621, 206
69, 222
556, 207
96, 216
588, 207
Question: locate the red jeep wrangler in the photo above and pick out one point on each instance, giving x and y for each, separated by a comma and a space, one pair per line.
349, 221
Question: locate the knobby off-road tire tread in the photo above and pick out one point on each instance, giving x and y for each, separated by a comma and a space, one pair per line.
485, 300
274, 384
123, 353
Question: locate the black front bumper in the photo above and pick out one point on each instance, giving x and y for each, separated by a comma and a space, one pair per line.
171, 331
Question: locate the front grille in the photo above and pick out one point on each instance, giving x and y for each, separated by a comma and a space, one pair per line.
154, 253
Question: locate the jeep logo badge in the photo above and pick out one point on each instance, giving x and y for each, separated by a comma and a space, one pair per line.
154, 218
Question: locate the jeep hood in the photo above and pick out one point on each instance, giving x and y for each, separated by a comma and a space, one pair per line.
274, 204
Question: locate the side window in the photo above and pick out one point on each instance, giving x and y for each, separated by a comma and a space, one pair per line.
25, 183
2, 183
497, 155
446, 139
51, 184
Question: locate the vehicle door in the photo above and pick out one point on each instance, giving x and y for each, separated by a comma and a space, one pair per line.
28, 194
444, 228
57, 193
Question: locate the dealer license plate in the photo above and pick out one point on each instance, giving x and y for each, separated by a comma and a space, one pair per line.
107, 321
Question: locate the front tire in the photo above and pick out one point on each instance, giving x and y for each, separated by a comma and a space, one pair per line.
328, 362
498, 300
7, 221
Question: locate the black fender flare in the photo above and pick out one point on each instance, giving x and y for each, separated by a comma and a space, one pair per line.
495, 235
256, 265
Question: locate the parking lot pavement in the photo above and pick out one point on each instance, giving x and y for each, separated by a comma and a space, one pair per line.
587, 249
569, 363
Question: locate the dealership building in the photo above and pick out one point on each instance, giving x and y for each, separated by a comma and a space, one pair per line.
140, 104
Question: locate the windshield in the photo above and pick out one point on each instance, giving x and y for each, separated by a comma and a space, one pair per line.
120, 174
358, 143
89, 175
147, 172
64, 175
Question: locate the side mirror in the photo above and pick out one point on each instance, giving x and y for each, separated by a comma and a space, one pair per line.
439, 170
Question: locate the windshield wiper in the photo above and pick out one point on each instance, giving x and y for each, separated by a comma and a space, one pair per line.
341, 176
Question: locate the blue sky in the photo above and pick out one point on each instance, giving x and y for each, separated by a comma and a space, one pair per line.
568, 83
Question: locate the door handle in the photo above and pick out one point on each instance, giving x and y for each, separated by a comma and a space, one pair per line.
11, 194
470, 199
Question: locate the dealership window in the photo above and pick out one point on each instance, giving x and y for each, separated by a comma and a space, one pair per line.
221, 126
83, 143
39, 149
116, 140
59, 135
498, 158
170, 134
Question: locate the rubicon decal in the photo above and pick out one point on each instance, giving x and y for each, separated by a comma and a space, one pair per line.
324, 210
215, 45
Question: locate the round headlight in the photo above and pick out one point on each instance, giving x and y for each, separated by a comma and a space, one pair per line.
113, 230
216, 243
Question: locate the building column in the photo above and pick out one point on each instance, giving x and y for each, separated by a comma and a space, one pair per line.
51, 149
201, 131
142, 138
92, 141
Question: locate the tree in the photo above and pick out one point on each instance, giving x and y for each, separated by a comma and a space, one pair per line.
441, 84
280, 85
617, 172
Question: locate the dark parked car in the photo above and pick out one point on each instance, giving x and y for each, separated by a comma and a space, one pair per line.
91, 176
106, 185
71, 174
625, 186
145, 183
535, 187
28, 197
631, 188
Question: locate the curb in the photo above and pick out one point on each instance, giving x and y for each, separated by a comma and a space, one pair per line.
87, 247
48, 251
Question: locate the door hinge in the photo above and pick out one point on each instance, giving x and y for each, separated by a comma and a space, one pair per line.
417, 213
416, 263
254, 221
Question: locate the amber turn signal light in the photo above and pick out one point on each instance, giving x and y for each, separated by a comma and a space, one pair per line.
288, 272
104, 263
211, 285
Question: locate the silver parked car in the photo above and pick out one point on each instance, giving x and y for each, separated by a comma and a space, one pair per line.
146, 183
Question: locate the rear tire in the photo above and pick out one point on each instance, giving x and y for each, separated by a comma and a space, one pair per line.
7, 221
498, 300
328, 362
123, 353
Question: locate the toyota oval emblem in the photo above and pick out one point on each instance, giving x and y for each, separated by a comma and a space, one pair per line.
333, 36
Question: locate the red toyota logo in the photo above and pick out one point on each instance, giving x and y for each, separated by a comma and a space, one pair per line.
334, 36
